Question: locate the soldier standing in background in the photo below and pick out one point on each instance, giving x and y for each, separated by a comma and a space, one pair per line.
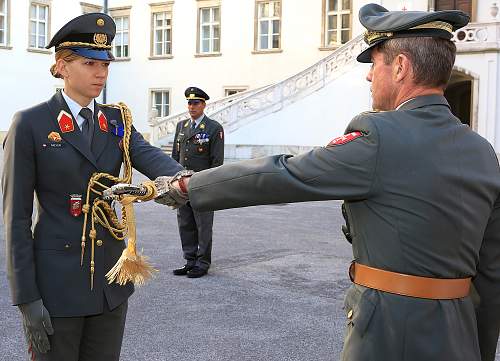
198, 145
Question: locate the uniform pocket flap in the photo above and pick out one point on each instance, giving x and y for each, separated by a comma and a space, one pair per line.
56, 244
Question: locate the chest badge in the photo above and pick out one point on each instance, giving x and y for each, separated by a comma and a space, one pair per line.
103, 122
65, 122
75, 204
54, 136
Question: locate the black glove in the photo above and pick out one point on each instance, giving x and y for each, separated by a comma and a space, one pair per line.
37, 325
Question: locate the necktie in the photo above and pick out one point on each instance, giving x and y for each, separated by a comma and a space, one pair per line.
87, 125
193, 125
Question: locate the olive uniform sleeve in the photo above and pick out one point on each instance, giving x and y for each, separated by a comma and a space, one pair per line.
217, 148
487, 283
337, 171
18, 185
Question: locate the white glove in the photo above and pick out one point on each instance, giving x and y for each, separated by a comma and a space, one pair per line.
169, 195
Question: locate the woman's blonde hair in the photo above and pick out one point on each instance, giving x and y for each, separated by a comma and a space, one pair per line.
66, 55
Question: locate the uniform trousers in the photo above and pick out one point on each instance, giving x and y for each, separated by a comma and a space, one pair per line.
87, 338
195, 230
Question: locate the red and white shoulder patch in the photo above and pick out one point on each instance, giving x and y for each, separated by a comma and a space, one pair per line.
65, 122
346, 138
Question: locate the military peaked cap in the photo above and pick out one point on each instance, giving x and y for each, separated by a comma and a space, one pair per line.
382, 25
193, 93
88, 35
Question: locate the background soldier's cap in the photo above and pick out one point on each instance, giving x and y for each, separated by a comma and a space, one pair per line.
193, 93
382, 25
88, 35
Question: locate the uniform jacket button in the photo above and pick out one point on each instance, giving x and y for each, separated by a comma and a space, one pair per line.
67, 246
349, 314
99, 243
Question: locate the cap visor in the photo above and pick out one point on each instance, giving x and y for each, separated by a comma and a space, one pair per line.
365, 56
93, 53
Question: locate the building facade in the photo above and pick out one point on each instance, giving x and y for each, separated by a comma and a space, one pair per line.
284, 62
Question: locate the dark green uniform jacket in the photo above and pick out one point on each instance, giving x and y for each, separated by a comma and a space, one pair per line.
45, 263
201, 148
422, 196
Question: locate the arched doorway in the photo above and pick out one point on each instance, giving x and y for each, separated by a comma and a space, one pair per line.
459, 94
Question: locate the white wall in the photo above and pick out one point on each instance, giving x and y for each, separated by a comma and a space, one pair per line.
313, 120
130, 81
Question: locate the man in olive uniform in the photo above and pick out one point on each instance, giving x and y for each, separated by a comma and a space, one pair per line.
52, 149
421, 194
198, 145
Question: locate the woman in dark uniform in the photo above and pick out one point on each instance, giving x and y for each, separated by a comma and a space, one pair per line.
51, 151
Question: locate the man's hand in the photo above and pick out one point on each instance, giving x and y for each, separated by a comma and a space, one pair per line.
172, 191
37, 325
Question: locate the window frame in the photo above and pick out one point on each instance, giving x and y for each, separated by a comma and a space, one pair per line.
6, 30
167, 9
235, 88
152, 100
121, 13
38, 4
212, 24
339, 29
90, 8
257, 33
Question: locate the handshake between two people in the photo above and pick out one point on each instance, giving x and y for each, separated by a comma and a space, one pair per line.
169, 191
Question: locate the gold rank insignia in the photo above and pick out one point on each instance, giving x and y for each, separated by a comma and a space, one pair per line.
186, 124
202, 126
100, 22
54, 136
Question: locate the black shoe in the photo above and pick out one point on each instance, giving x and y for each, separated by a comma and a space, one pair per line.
196, 272
182, 271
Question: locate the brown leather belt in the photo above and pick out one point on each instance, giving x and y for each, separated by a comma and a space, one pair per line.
408, 285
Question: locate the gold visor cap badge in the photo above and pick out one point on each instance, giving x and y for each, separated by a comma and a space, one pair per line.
100, 39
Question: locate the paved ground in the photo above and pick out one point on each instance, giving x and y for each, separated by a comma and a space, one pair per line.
274, 292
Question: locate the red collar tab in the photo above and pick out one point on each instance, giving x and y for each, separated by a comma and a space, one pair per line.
65, 122
346, 138
103, 121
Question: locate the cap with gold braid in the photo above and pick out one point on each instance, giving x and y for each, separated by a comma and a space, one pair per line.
194, 93
382, 25
88, 35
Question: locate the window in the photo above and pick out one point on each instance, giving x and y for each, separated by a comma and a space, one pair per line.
209, 30
233, 90
268, 25
3, 23
39, 15
160, 99
121, 40
464, 5
337, 22
162, 33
